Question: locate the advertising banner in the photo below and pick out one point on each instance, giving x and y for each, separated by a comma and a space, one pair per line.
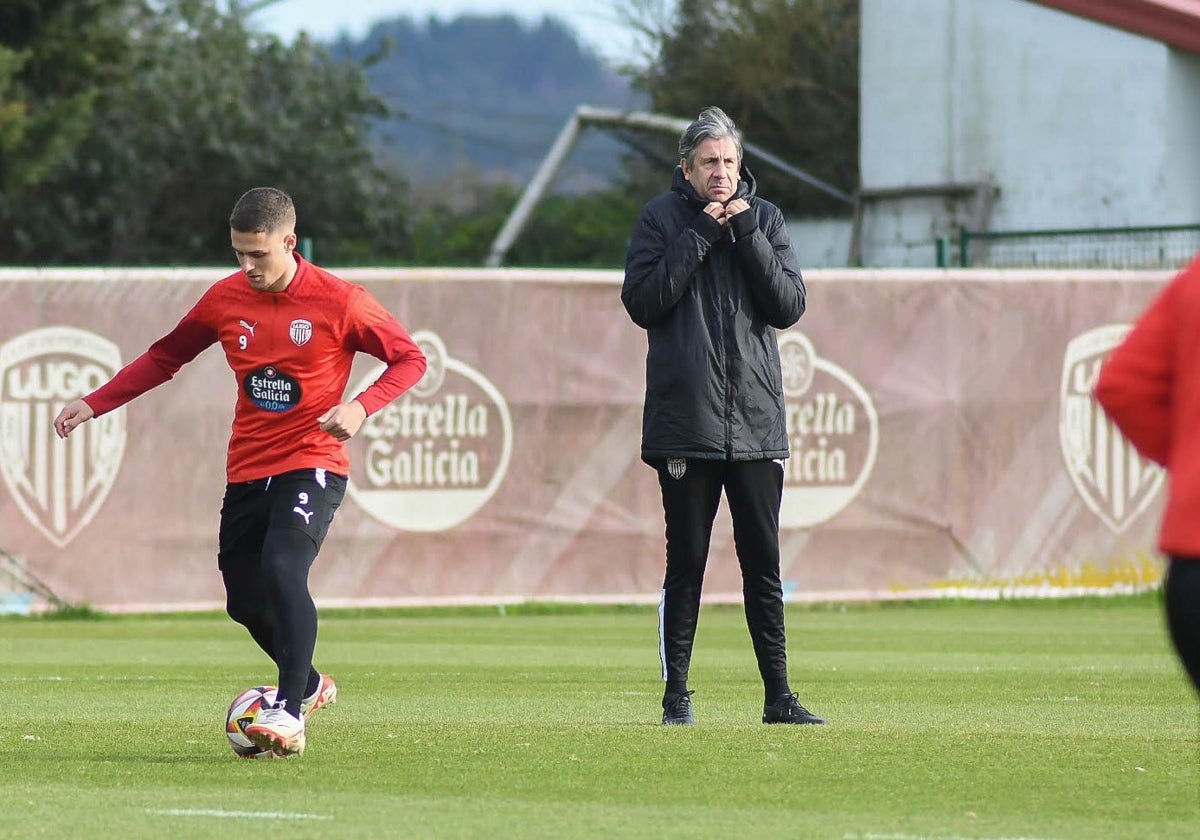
943, 441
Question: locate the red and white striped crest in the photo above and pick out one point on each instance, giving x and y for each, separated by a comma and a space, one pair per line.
301, 331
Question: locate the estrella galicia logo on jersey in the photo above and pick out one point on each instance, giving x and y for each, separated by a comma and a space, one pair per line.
271, 389
300, 331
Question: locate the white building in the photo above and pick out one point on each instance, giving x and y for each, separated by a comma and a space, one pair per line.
1012, 115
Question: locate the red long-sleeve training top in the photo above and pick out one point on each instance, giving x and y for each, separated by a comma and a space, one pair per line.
1150, 387
291, 353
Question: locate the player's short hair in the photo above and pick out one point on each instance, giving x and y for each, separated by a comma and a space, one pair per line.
712, 124
262, 210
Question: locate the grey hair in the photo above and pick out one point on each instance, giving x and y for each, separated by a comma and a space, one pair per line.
712, 124
263, 210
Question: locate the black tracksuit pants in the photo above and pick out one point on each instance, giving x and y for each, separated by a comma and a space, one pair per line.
271, 531
1181, 599
753, 490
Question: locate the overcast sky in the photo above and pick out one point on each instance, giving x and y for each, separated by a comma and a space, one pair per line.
594, 21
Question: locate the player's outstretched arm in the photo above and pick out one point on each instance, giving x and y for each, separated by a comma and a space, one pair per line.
75, 414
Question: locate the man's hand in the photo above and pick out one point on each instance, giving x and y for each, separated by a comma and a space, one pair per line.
75, 414
738, 205
717, 210
343, 421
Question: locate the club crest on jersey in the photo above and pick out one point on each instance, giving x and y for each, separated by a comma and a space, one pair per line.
59, 485
676, 467
300, 331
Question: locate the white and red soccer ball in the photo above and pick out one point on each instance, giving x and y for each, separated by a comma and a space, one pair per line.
242, 712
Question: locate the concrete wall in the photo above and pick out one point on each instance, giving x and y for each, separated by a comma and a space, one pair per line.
1078, 124
821, 243
1182, 198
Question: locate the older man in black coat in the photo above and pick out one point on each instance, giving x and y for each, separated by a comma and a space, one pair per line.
710, 275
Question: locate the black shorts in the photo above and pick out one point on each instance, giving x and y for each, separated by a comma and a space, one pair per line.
304, 500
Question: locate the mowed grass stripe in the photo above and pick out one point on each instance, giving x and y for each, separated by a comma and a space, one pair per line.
1053, 720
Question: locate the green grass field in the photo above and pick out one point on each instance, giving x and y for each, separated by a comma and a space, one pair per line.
1034, 720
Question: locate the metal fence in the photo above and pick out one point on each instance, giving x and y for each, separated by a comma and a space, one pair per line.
1167, 246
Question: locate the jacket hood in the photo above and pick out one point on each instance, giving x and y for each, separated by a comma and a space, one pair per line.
747, 187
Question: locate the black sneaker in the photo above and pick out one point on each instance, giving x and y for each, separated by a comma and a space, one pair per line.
677, 709
787, 709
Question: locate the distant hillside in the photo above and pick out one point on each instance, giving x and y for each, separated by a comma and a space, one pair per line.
487, 94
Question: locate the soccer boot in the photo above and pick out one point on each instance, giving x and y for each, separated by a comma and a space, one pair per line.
787, 709
325, 695
677, 709
276, 730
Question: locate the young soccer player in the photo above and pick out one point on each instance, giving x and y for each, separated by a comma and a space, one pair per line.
290, 331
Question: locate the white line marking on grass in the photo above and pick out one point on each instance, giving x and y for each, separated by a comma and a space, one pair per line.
236, 815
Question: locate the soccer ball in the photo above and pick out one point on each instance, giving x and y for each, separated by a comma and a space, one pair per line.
242, 712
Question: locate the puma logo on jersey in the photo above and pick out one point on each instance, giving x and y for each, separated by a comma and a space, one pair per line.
248, 327
307, 514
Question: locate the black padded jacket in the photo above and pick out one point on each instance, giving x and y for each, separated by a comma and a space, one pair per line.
710, 299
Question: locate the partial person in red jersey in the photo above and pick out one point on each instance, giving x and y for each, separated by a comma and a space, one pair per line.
290, 331
1150, 387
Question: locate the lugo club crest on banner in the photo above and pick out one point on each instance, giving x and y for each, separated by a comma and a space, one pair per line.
1114, 481
59, 485
430, 460
833, 430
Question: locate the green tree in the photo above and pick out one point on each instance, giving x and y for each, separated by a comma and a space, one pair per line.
53, 55
586, 230
203, 109
786, 71
589, 231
